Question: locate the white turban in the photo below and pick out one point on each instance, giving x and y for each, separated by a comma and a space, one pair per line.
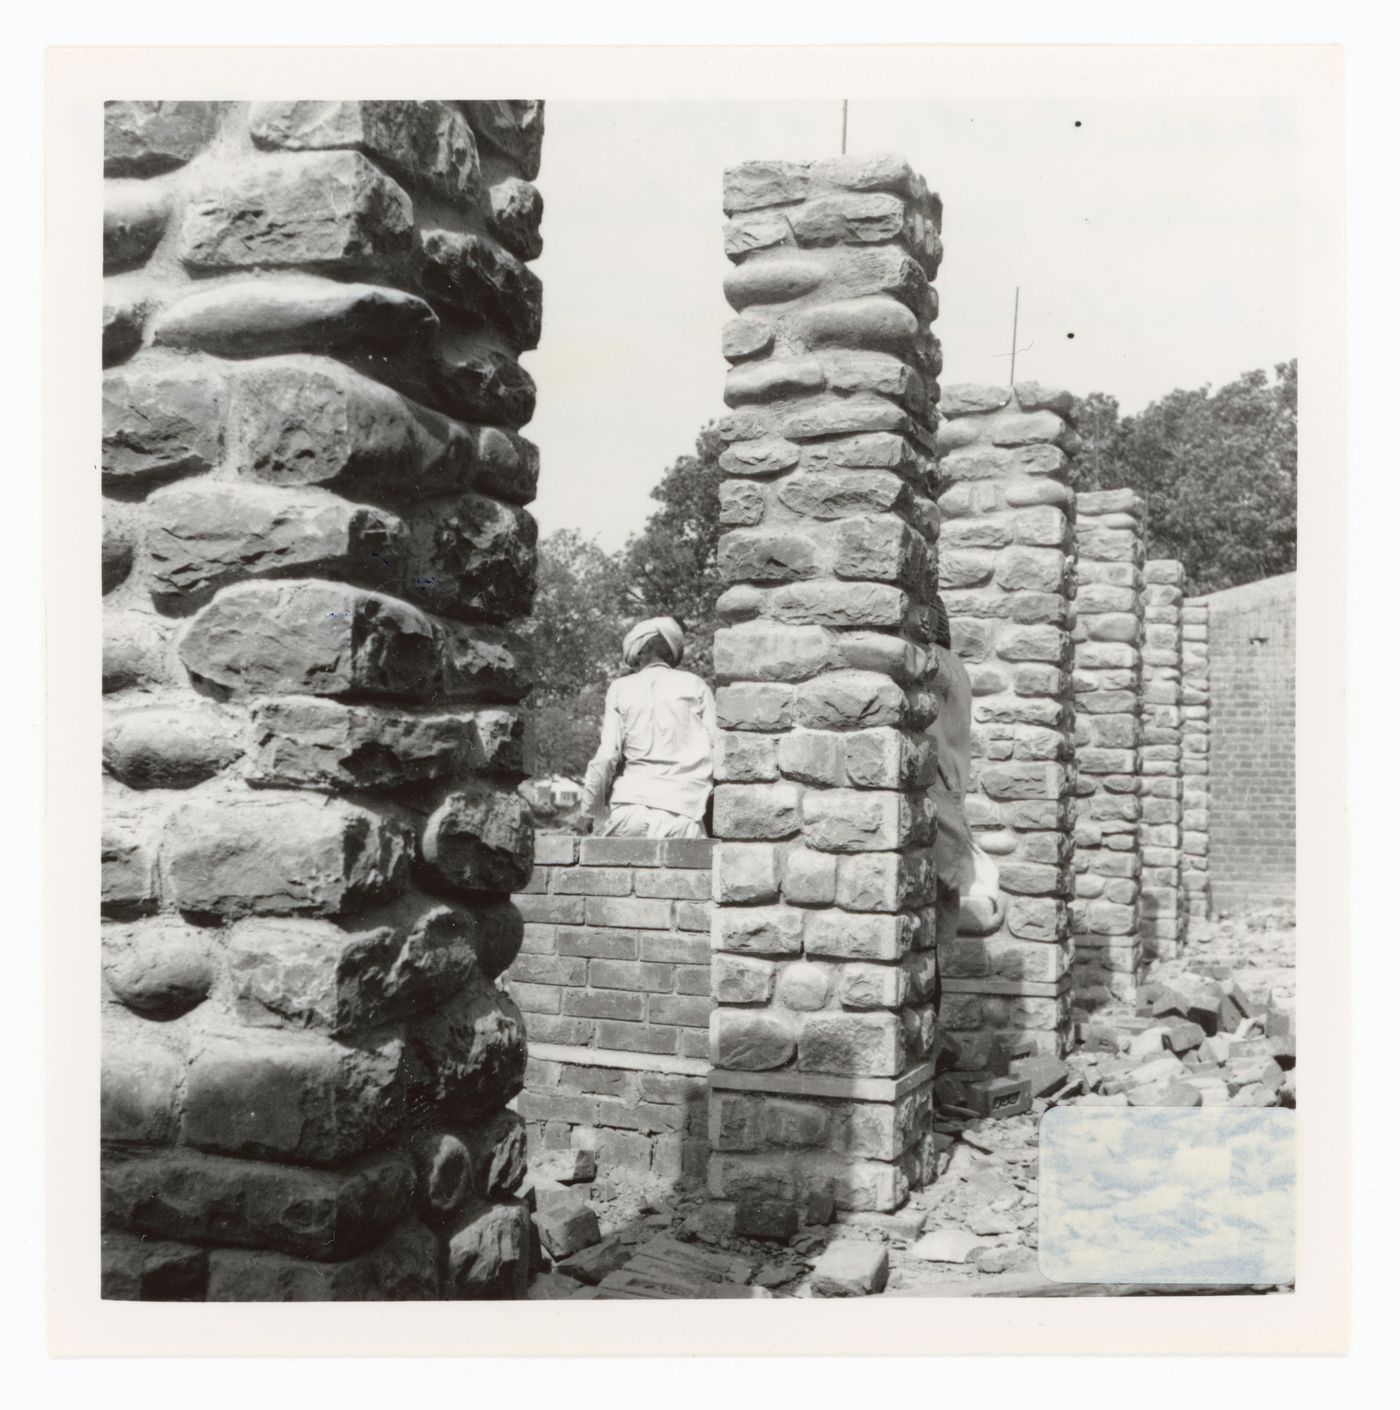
665, 627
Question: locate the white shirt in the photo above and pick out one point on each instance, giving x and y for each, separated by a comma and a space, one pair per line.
659, 729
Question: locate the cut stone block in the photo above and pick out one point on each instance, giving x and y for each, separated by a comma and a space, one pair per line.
850, 1268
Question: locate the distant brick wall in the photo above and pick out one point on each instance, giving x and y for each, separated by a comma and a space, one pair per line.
614, 980
1252, 805
1195, 761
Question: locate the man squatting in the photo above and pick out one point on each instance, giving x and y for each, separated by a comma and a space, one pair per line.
654, 769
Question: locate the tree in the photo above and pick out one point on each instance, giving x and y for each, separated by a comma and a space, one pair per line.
671, 568
575, 631
1096, 420
587, 598
1218, 472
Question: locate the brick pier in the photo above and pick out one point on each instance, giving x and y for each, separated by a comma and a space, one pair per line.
614, 980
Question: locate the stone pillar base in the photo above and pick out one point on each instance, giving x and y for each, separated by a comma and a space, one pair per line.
865, 1142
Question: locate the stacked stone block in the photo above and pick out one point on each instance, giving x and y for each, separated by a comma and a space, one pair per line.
824, 970
614, 977
1160, 831
1006, 569
1108, 632
315, 554
1195, 761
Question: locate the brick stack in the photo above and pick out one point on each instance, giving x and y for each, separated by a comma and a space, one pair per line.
1160, 831
824, 969
1005, 574
1108, 700
314, 551
614, 976
1195, 760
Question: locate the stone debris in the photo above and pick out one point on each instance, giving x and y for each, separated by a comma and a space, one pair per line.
1213, 1027
666, 1268
903, 1226
948, 1246
566, 1228
1003, 1258
850, 1268
593, 1264
549, 1194
988, 1221
778, 1274
551, 1287
974, 1230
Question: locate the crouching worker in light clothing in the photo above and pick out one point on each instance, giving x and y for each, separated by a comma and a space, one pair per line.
654, 768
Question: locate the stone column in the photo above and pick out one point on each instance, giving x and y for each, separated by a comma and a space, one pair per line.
824, 969
1005, 574
314, 552
1108, 702
1160, 831
1195, 760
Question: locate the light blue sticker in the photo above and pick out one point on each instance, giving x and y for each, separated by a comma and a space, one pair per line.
1167, 1195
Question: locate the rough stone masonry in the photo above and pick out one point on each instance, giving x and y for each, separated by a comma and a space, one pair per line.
1163, 911
824, 969
1108, 632
1007, 575
315, 549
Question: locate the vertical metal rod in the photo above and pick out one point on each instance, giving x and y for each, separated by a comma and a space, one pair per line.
1015, 322
844, 103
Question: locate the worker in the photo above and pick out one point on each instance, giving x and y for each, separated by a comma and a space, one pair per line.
654, 768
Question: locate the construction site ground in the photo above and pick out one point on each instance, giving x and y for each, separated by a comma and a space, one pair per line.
974, 1231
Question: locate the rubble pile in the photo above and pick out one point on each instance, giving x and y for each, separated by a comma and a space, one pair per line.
628, 1237
1203, 1040
611, 1237
1213, 1026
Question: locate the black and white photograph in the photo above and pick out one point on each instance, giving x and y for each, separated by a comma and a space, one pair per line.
699, 697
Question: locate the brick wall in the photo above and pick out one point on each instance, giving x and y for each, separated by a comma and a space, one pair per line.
314, 552
613, 976
1195, 761
1252, 782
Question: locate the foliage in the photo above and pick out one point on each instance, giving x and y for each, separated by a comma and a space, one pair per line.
575, 631
671, 568
1218, 472
1098, 425
587, 599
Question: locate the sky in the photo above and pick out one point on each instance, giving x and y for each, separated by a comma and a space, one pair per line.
1162, 1194
1161, 235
